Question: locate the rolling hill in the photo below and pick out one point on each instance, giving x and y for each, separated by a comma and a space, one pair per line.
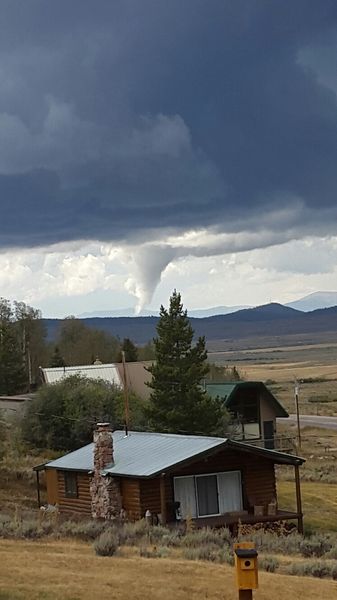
268, 320
314, 301
130, 312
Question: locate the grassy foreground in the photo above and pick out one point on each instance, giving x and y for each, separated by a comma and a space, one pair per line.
64, 570
319, 503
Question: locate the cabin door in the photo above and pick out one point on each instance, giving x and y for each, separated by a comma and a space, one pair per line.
268, 435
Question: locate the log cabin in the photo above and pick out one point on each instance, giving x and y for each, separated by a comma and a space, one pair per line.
214, 481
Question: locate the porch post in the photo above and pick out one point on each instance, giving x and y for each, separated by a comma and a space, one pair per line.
38, 488
245, 594
162, 498
298, 500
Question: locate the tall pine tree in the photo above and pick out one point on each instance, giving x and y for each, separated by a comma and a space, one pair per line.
12, 372
56, 359
130, 351
178, 403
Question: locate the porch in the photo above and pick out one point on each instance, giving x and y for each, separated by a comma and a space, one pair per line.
230, 520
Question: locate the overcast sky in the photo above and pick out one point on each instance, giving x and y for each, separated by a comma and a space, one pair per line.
147, 145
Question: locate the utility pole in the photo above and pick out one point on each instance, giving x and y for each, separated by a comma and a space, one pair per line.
126, 396
29, 359
296, 393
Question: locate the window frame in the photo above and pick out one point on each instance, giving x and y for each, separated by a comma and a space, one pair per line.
70, 484
216, 473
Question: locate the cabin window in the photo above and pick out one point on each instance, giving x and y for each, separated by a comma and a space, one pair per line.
70, 485
250, 408
251, 431
208, 495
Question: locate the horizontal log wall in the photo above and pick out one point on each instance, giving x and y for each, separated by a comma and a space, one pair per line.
131, 498
259, 478
150, 494
81, 504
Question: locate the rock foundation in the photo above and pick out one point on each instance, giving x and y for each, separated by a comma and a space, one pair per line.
105, 497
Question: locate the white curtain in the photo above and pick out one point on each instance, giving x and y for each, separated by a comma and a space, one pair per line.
230, 491
184, 492
252, 431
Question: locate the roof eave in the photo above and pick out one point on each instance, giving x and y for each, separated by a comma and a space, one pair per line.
280, 458
40, 467
279, 410
57, 468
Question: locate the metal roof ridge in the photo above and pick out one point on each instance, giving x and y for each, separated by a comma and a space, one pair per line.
101, 366
166, 434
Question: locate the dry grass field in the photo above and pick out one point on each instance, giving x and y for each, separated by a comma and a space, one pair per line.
64, 570
319, 503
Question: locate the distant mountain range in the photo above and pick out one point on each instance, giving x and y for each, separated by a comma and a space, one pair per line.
268, 320
308, 303
130, 312
315, 301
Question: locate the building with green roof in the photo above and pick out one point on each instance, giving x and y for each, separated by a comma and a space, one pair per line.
254, 409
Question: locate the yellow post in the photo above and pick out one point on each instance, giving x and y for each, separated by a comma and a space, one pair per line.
246, 569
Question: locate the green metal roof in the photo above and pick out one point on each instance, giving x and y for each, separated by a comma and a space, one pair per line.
223, 390
227, 390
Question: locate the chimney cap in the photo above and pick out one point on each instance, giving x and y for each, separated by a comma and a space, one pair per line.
103, 425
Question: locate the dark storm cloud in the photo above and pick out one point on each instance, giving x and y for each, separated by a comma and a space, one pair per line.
119, 118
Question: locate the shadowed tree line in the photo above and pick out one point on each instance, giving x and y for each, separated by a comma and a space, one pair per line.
22, 346
78, 344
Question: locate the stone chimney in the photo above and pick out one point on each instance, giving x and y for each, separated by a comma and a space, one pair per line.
103, 446
104, 489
